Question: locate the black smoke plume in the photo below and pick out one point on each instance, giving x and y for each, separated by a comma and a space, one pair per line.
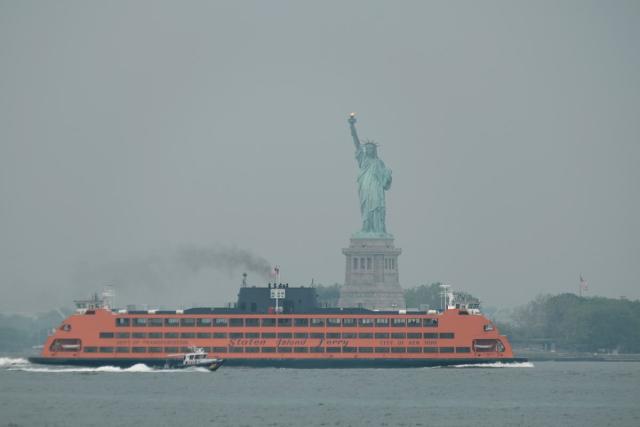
171, 269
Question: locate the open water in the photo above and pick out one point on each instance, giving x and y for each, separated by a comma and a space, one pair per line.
544, 394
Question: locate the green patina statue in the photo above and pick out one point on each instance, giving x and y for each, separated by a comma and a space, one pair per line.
373, 180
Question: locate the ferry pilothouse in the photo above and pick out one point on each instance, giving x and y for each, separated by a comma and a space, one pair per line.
280, 326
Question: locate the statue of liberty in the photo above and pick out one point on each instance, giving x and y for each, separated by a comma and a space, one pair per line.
373, 180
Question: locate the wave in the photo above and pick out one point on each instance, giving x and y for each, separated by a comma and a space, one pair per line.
21, 364
12, 361
495, 365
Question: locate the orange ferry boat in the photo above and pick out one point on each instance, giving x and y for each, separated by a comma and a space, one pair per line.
278, 326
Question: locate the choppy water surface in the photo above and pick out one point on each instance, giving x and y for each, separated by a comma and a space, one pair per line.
549, 393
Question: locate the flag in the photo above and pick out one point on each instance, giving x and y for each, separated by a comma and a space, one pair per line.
583, 284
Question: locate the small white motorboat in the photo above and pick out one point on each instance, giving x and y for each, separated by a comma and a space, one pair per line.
197, 357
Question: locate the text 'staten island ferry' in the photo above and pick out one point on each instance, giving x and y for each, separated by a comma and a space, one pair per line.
280, 326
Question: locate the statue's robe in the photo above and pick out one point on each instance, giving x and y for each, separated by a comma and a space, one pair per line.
373, 180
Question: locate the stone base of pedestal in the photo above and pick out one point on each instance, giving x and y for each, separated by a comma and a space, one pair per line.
372, 278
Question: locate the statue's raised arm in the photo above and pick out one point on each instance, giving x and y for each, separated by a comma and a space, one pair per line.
354, 132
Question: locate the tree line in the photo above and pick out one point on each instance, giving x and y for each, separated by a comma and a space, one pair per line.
423, 296
568, 321
574, 323
20, 332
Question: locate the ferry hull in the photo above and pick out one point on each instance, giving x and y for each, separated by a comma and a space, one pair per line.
285, 363
364, 363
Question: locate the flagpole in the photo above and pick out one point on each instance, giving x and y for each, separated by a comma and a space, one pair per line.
582, 286
580, 289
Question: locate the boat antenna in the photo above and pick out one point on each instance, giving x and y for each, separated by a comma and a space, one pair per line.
446, 296
108, 295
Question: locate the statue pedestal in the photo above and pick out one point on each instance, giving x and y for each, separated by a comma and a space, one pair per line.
372, 279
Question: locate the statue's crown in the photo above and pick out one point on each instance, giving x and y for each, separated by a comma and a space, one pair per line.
371, 142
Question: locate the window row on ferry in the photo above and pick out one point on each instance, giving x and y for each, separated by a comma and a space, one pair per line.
330, 335
275, 322
253, 349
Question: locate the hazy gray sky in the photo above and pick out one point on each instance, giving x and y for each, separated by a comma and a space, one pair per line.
130, 131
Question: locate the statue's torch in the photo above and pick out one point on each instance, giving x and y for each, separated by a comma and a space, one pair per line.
352, 119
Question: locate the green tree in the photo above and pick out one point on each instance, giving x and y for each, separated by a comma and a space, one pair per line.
431, 296
328, 295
